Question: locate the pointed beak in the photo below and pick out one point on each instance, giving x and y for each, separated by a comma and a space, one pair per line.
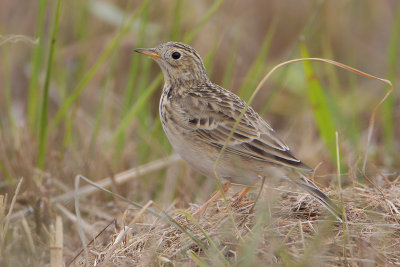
148, 52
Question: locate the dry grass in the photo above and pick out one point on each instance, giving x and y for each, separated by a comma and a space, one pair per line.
111, 129
295, 232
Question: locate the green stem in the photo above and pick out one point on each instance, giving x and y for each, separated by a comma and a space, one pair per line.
45, 95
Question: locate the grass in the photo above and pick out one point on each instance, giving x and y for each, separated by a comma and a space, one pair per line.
389, 106
257, 68
294, 230
319, 104
33, 97
45, 93
85, 104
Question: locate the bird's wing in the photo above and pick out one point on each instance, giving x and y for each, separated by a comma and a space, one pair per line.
213, 112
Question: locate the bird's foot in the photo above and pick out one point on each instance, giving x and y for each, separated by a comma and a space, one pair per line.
203, 207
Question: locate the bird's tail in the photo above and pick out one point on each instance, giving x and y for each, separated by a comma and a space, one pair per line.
307, 185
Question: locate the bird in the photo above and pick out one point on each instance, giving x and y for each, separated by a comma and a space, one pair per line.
198, 117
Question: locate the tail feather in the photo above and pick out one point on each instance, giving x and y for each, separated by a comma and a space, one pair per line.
315, 192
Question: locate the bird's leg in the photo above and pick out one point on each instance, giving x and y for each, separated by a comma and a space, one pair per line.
261, 188
259, 194
244, 192
203, 207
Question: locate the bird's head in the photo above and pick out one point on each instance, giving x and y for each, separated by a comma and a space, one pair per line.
180, 63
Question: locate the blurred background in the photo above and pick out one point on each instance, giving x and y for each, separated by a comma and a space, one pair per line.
86, 104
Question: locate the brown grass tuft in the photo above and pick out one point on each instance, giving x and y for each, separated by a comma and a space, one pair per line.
297, 231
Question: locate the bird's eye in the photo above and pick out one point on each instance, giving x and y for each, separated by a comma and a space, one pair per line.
176, 55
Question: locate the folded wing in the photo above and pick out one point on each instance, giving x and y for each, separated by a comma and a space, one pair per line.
213, 116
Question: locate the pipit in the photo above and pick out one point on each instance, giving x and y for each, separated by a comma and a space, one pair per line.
198, 117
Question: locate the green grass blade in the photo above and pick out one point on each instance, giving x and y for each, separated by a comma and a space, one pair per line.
143, 85
175, 32
82, 33
230, 66
284, 73
45, 93
7, 89
348, 122
190, 36
33, 95
319, 103
208, 60
131, 114
72, 98
132, 90
278, 84
392, 60
6, 174
69, 132
100, 111
257, 69
135, 62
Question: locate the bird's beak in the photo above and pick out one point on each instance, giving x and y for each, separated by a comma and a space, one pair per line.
148, 52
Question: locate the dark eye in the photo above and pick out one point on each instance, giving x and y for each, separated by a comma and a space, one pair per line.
176, 55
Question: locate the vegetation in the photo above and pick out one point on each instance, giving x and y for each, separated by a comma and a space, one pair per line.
75, 100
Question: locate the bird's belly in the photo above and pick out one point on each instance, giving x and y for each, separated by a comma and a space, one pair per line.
202, 158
